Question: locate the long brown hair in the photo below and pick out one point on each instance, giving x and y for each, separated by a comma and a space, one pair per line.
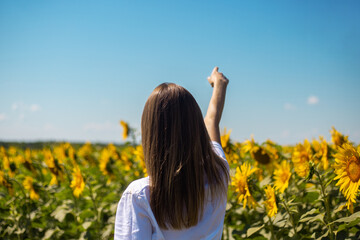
179, 156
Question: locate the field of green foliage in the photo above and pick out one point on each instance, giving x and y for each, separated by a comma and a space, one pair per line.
65, 191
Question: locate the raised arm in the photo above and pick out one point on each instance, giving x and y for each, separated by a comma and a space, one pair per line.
213, 116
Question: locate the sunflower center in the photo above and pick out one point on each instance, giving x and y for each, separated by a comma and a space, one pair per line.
353, 169
284, 177
242, 186
304, 157
261, 156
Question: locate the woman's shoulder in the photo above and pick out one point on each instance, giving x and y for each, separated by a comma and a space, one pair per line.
138, 187
218, 149
220, 152
137, 195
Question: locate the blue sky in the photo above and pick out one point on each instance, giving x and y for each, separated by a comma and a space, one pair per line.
70, 70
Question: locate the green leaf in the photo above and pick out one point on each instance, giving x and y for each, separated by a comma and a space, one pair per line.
319, 217
38, 225
48, 234
351, 218
88, 213
328, 183
253, 230
311, 196
86, 225
265, 181
354, 230
107, 232
348, 225
114, 206
324, 235
312, 211
341, 227
60, 212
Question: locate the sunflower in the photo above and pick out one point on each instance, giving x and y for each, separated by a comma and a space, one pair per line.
240, 182
257, 152
126, 155
321, 152
250, 145
125, 129
69, 151
347, 169
28, 185
235, 154
261, 155
77, 184
114, 154
54, 166
270, 202
9, 164
106, 164
337, 138
85, 153
54, 180
2, 178
301, 157
59, 153
2, 152
104, 159
225, 138
229, 149
282, 176
65, 152
4, 182
271, 149
12, 151
27, 160
139, 156
287, 149
18, 160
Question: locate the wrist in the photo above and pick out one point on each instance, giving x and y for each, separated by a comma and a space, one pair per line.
221, 83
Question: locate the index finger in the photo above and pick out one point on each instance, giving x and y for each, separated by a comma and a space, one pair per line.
215, 70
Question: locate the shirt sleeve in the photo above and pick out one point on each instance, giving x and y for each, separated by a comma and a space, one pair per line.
131, 220
218, 149
220, 152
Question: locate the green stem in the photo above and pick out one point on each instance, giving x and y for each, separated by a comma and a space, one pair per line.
27, 207
39, 167
273, 236
327, 207
290, 216
227, 231
95, 208
74, 198
20, 185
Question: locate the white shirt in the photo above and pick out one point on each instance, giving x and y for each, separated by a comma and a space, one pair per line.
135, 219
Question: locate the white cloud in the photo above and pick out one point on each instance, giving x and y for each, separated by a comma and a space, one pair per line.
21, 116
313, 100
20, 106
14, 106
34, 108
289, 106
2, 116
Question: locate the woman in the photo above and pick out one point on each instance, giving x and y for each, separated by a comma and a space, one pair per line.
184, 196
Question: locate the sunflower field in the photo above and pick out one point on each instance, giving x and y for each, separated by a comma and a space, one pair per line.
69, 191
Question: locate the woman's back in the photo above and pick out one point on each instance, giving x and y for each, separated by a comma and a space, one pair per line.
135, 202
